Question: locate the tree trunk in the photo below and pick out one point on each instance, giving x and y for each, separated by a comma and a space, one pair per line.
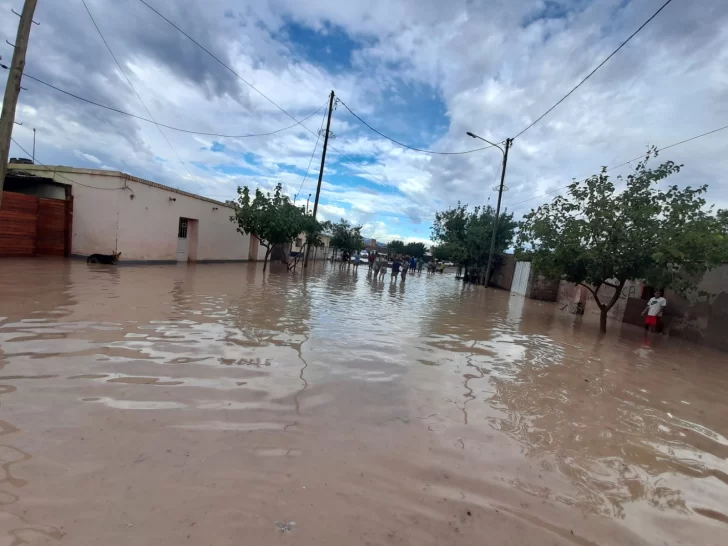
265, 260
603, 319
606, 308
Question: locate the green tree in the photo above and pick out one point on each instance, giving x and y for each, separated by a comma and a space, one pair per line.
596, 235
445, 252
464, 236
415, 249
344, 236
395, 247
272, 218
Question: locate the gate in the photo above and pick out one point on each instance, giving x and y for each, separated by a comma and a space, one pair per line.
520, 278
51, 231
31, 225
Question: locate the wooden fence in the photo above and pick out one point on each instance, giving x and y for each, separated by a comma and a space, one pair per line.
30, 225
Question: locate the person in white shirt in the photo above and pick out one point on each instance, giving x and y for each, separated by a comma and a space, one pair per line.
654, 311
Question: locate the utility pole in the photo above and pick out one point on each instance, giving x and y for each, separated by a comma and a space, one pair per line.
12, 88
33, 145
509, 142
321, 172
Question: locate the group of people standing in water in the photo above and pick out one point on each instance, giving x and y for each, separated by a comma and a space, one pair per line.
400, 266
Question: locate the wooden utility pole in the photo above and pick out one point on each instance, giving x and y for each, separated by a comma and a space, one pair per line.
321, 172
12, 88
509, 141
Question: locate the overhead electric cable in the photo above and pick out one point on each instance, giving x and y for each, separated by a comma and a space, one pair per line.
593, 71
134, 89
623, 164
433, 152
171, 127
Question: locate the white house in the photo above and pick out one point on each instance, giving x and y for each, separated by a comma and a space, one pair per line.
112, 211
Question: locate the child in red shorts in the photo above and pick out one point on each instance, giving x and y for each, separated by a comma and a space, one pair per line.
654, 311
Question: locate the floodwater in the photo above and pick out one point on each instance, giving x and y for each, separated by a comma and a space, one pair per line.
215, 405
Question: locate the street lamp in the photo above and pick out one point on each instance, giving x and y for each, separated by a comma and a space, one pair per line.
508, 143
473, 135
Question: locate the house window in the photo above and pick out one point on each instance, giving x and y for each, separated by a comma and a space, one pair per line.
182, 230
299, 242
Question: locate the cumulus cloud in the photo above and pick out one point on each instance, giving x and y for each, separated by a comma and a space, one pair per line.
424, 71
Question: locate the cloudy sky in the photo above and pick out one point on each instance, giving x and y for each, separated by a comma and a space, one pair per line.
422, 71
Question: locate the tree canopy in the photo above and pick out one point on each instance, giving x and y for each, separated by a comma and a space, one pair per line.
396, 246
345, 236
415, 249
463, 236
273, 219
597, 235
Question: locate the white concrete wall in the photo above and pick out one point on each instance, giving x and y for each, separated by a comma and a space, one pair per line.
107, 218
148, 226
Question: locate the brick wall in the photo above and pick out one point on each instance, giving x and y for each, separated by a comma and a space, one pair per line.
502, 276
543, 289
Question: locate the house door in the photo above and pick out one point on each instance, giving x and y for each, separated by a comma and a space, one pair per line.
520, 278
183, 243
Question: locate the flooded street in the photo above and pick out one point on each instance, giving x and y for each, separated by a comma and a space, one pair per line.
213, 405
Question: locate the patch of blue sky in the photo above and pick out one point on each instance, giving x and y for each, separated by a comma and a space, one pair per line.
549, 9
412, 113
290, 168
328, 46
325, 200
231, 169
416, 115
350, 177
559, 9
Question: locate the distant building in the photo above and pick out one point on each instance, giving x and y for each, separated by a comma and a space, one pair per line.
68, 211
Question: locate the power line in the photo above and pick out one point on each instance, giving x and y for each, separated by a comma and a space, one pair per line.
133, 88
692, 138
211, 134
623, 164
266, 97
597, 68
407, 145
171, 127
59, 174
318, 137
198, 44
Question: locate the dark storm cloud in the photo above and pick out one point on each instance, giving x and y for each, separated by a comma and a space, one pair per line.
133, 31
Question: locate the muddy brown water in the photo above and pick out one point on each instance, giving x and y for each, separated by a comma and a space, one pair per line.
213, 405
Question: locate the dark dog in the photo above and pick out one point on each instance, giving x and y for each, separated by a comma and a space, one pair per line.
109, 259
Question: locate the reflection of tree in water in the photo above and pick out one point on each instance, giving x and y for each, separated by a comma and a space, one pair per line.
604, 438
